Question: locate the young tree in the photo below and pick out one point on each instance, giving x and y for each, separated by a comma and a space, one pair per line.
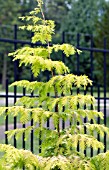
58, 146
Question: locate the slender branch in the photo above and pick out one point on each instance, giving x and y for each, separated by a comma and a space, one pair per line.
43, 16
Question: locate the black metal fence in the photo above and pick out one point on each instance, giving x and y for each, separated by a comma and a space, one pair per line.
86, 63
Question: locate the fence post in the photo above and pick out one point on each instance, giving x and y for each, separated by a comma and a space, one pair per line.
104, 91
6, 120
23, 126
78, 72
91, 75
98, 121
63, 60
15, 78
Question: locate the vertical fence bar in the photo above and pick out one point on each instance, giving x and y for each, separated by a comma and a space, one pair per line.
91, 75
32, 132
105, 92
32, 122
85, 120
78, 58
48, 120
78, 72
32, 137
98, 121
40, 134
15, 78
23, 136
48, 123
15, 47
63, 60
6, 121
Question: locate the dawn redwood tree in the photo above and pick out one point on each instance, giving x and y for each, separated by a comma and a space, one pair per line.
58, 146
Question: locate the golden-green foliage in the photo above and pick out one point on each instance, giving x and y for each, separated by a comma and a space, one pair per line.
62, 83
101, 161
59, 146
17, 159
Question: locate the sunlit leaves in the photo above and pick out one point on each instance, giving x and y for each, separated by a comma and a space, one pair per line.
91, 129
18, 158
66, 48
38, 63
70, 101
83, 140
62, 84
101, 161
43, 29
33, 52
